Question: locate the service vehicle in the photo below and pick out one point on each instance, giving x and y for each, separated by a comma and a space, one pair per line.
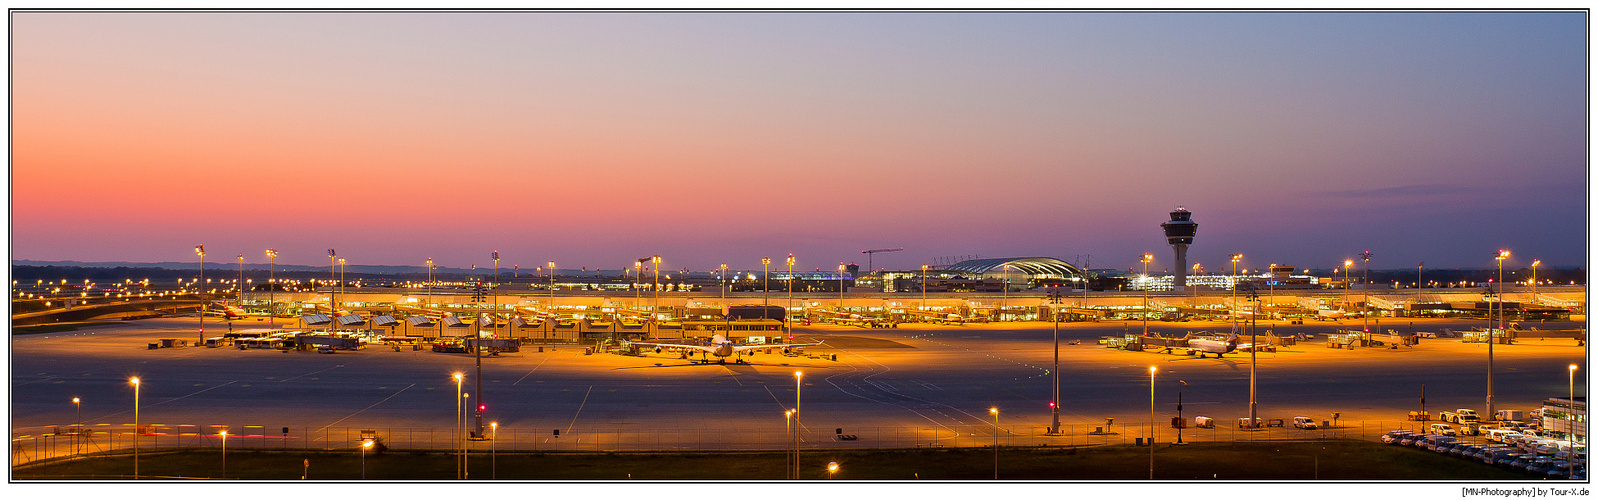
1305, 423
1459, 416
1442, 429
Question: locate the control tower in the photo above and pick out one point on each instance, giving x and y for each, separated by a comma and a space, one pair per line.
1179, 233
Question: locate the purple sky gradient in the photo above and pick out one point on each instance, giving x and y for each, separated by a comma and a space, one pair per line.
593, 139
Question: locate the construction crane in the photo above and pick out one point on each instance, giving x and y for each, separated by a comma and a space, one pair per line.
869, 268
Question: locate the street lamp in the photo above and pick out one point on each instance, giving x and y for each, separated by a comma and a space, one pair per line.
995, 412
366, 444
241, 280
923, 286
787, 422
429, 286
332, 274
1418, 267
224, 458
1253, 358
724, 283
638, 276
552, 287
832, 468
200, 250
655, 310
1146, 258
1346, 265
1151, 421
341, 269
135, 382
493, 452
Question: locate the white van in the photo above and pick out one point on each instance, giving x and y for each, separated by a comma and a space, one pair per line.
1304, 423
1442, 430
1499, 435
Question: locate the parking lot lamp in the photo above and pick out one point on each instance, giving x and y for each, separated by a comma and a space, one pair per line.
223, 435
995, 412
366, 444
493, 451
135, 382
787, 422
1502, 254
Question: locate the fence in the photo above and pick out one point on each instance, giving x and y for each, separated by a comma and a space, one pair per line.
65, 441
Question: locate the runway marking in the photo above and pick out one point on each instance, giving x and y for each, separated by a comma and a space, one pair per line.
530, 372
312, 373
579, 410
346, 417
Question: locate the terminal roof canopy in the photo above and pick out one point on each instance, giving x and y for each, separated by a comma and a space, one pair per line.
1034, 266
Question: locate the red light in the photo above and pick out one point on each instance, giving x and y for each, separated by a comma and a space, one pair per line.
1051, 404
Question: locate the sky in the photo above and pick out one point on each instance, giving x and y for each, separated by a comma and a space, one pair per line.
594, 139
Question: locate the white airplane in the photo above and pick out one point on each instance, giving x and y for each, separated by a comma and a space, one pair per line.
1218, 347
720, 347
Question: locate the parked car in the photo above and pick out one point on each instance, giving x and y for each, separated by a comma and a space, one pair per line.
1439, 441
1417, 440
1305, 423
1498, 435
1393, 437
1442, 429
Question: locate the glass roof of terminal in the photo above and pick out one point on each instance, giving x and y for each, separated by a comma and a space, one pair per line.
1030, 265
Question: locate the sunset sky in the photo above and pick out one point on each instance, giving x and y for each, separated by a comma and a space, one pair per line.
593, 139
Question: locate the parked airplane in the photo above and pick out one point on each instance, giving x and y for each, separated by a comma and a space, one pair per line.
226, 312
720, 347
1219, 347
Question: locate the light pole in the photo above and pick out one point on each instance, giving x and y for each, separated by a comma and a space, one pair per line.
1253, 360
1235, 257
1502, 254
765, 273
1418, 282
787, 422
995, 412
1534, 264
224, 458
332, 274
493, 452
341, 269
799, 387
429, 286
466, 470
1054, 402
1004, 304
135, 382
1365, 292
923, 286
638, 276
1570, 424
840, 287
366, 444
241, 281
200, 290
552, 287
460, 424
790, 284
1346, 265
724, 283
1146, 258
655, 309
1151, 421
1196, 268
77, 445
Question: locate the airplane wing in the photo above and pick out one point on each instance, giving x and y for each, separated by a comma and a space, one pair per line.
748, 347
706, 348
